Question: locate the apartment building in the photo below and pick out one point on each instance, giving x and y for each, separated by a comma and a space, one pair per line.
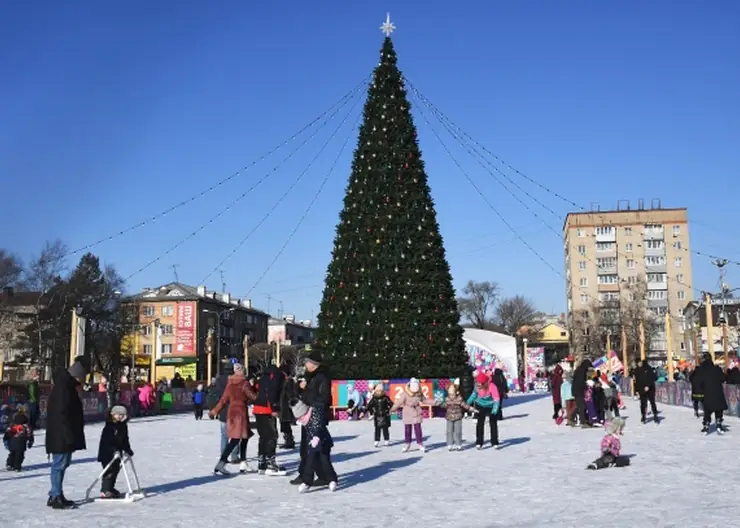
607, 252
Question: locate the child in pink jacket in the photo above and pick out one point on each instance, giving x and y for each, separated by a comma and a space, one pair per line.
410, 402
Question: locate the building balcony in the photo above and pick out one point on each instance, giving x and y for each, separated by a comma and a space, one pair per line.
657, 303
655, 252
606, 270
653, 235
607, 237
656, 268
657, 285
608, 287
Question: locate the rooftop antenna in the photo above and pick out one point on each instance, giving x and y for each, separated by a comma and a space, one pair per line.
174, 270
223, 282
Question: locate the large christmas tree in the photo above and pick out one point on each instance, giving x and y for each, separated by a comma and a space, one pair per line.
389, 309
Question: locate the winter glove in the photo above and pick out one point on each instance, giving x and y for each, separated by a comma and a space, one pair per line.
130, 453
315, 442
30, 443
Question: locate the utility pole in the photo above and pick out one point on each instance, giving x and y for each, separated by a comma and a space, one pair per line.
269, 298
710, 323
174, 271
721, 263
223, 282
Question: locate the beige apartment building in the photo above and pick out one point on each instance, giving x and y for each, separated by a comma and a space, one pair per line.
608, 251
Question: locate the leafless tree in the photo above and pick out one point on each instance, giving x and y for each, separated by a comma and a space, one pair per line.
515, 312
45, 270
479, 299
11, 270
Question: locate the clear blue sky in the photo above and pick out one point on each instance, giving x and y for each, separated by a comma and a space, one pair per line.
112, 111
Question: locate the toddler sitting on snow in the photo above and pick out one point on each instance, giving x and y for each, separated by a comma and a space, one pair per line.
611, 447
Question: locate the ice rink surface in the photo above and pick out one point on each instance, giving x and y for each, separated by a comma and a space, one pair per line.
678, 477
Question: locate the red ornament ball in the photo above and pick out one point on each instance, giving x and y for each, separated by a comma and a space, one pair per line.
341, 284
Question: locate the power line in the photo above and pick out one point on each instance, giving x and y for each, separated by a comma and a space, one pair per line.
221, 182
245, 193
305, 213
292, 186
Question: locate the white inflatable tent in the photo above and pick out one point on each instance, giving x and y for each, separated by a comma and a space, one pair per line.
486, 348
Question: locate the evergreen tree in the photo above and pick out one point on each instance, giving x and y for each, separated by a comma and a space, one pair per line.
388, 308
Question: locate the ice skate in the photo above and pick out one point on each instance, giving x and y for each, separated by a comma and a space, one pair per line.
332, 486
591, 466
303, 488
722, 428
273, 468
220, 469
705, 429
244, 467
406, 448
386, 443
422, 448
377, 444
479, 447
450, 448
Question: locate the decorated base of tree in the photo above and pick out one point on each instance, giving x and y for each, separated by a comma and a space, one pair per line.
389, 308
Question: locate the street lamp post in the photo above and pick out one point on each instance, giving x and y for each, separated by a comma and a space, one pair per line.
218, 314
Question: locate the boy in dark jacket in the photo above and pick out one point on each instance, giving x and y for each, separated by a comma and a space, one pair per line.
114, 439
287, 420
266, 410
318, 448
17, 438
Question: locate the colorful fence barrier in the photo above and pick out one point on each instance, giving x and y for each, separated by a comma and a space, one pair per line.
679, 393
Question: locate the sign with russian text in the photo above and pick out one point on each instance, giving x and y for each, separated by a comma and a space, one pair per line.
185, 331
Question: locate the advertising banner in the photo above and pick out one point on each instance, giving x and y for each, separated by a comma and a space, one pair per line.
185, 331
535, 362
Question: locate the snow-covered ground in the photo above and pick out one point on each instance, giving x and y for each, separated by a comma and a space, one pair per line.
678, 477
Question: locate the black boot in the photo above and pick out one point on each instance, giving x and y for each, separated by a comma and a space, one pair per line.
273, 468
297, 481
705, 428
60, 503
261, 464
721, 427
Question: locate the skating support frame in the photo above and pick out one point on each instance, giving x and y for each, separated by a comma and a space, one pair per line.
133, 494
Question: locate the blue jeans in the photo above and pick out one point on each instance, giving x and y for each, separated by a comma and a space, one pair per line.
59, 464
225, 440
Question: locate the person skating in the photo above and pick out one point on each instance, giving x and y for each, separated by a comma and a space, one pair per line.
645, 379
237, 395
467, 382
114, 439
318, 450
556, 381
578, 389
17, 438
710, 380
697, 397
380, 407
611, 447
455, 407
266, 410
33, 401
314, 391
503, 389
214, 396
485, 399
65, 427
287, 420
199, 399
410, 402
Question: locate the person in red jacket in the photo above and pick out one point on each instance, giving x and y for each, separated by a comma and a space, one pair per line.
266, 410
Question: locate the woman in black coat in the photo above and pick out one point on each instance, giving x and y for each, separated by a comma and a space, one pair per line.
287, 420
711, 380
578, 389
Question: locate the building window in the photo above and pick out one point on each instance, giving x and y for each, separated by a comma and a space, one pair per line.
678, 262
584, 298
654, 244
656, 295
580, 233
582, 265
606, 262
584, 282
676, 230
656, 278
150, 311
166, 330
147, 350
608, 296
608, 279
167, 349
146, 330
653, 228
168, 311
604, 246
679, 278
630, 264
682, 345
655, 261
605, 230
628, 246
681, 295
677, 244
582, 249
631, 279
628, 231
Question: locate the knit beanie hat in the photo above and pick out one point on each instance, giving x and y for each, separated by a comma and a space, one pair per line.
616, 425
481, 378
238, 368
78, 370
314, 357
119, 410
299, 408
414, 385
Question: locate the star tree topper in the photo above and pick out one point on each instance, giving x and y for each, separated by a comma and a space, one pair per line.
387, 26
